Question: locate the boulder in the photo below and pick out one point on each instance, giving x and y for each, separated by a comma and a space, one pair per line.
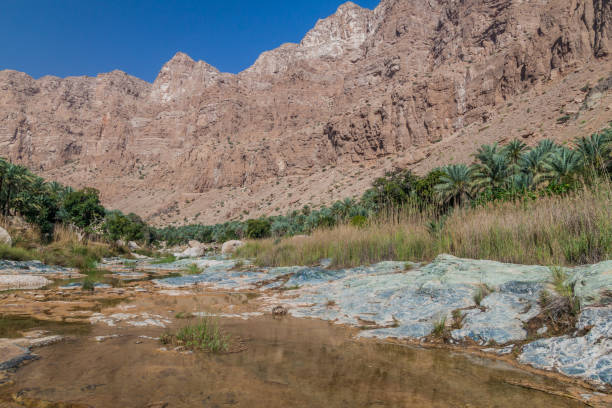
230, 246
5, 238
120, 242
195, 244
191, 253
132, 245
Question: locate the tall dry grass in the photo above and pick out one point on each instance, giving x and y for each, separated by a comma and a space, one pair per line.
568, 230
67, 248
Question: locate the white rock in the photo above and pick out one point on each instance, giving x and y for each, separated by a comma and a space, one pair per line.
230, 246
5, 238
191, 253
132, 245
195, 244
8, 282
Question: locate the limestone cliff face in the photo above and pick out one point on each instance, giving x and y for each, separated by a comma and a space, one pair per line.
361, 85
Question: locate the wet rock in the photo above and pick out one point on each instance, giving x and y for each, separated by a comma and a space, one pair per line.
502, 320
11, 355
588, 356
389, 301
231, 246
279, 311
37, 268
5, 238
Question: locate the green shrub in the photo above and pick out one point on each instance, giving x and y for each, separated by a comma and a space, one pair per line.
16, 253
88, 284
259, 228
359, 221
193, 269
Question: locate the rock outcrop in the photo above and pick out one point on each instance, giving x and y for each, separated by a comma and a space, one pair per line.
5, 238
387, 301
231, 246
363, 85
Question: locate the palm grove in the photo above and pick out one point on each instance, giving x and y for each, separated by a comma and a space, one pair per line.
510, 172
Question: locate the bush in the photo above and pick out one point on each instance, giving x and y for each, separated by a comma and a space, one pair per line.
259, 228
16, 253
83, 207
359, 221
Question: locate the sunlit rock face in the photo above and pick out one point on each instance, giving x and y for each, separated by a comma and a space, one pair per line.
361, 86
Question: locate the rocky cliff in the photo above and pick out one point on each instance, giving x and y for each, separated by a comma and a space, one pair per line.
411, 83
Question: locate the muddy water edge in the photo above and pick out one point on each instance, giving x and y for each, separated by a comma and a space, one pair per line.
286, 362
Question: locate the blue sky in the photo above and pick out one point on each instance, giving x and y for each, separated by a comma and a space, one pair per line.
86, 37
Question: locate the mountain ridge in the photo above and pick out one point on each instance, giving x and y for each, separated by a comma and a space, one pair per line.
363, 92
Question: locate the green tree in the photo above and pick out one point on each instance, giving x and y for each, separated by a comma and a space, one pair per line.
259, 228
514, 150
596, 152
455, 184
563, 167
83, 207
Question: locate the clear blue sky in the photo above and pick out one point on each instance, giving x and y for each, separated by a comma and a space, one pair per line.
86, 37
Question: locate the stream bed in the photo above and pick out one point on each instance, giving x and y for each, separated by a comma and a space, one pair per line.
360, 337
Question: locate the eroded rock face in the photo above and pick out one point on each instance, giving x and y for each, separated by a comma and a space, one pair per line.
361, 85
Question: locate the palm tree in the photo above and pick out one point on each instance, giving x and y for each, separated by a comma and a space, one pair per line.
495, 172
563, 167
15, 177
547, 146
3, 166
514, 150
455, 184
596, 151
532, 163
521, 182
485, 153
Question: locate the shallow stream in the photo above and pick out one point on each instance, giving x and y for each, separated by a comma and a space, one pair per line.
288, 362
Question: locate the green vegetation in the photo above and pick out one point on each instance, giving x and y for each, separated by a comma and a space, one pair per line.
193, 269
561, 307
167, 259
48, 204
184, 315
546, 204
439, 328
482, 292
88, 284
202, 335
549, 205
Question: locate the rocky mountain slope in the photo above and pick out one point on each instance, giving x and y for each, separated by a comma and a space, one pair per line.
412, 83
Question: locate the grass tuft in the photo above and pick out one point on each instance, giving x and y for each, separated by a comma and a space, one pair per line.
202, 335
167, 259
193, 269
482, 292
439, 329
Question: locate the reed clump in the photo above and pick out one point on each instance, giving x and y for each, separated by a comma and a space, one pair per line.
570, 229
